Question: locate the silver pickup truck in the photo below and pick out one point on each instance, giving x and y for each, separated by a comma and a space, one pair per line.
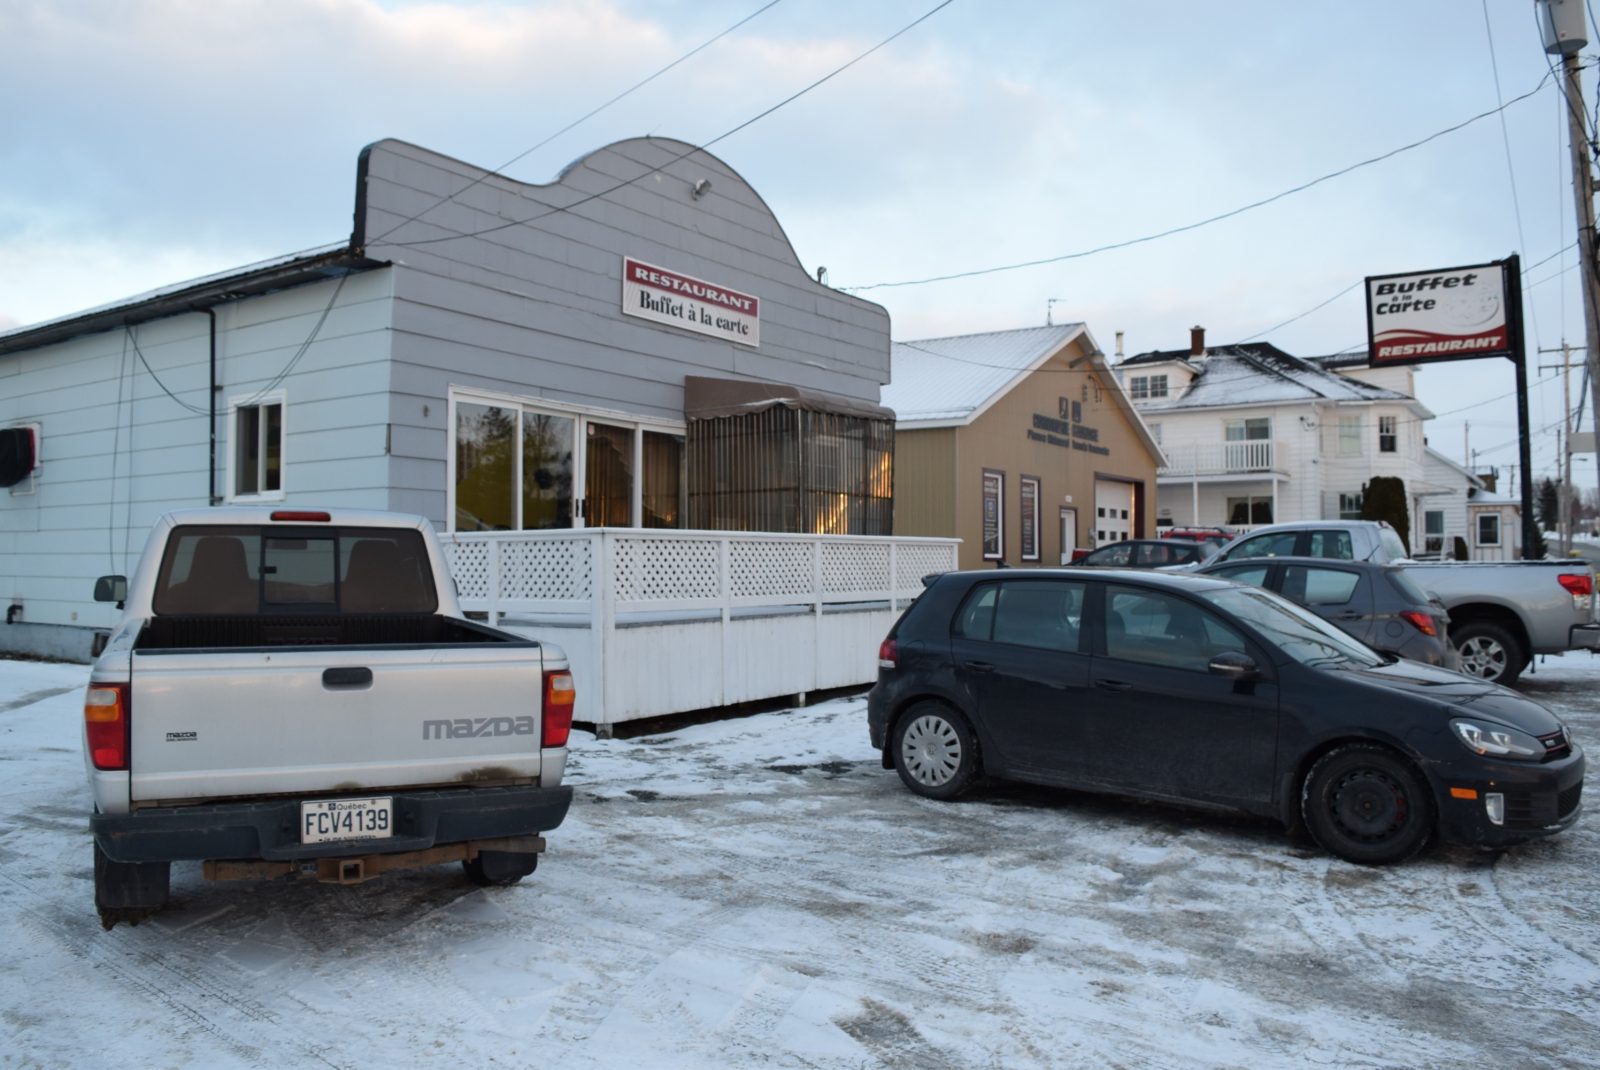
296, 692
1501, 613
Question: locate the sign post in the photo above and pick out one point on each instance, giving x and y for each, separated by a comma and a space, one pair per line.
1459, 313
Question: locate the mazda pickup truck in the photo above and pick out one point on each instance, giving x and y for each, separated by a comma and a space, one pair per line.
1502, 613
296, 693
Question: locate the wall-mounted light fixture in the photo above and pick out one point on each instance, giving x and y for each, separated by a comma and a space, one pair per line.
700, 188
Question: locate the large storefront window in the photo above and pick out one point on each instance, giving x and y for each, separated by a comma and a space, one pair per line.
485, 495
547, 470
518, 466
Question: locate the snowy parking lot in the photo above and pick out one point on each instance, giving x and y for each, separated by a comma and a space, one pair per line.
759, 892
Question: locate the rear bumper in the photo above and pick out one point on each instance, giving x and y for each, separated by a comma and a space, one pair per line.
1584, 637
270, 829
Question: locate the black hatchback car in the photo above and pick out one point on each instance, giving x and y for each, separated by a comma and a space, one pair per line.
1188, 688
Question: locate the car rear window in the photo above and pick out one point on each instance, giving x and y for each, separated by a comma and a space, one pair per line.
233, 569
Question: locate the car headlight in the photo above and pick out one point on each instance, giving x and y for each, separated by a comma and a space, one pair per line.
1496, 740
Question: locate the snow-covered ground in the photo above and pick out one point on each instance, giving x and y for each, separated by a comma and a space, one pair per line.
758, 892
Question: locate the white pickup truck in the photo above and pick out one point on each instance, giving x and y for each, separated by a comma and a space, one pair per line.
296, 692
1501, 613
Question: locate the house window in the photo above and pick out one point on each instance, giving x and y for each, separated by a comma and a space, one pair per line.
1139, 387
1488, 529
257, 456
1155, 432
1388, 434
1433, 531
1158, 386
1254, 429
1350, 506
994, 523
1243, 512
1030, 518
1349, 436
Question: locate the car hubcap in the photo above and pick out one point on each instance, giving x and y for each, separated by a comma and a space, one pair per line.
1483, 657
931, 750
1369, 806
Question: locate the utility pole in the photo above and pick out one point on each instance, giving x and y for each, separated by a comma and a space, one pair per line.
1566, 32
1564, 457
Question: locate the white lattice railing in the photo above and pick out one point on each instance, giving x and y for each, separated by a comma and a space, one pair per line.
601, 572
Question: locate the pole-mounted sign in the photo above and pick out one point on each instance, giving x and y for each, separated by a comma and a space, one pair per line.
1460, 313
1454, 314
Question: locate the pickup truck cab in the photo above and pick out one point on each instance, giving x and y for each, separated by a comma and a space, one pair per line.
1501, 612
296, 692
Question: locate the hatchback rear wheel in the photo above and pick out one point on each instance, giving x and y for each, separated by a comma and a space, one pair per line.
935, 751
1367, 804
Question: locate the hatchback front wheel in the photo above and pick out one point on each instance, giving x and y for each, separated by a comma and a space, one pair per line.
1367, 804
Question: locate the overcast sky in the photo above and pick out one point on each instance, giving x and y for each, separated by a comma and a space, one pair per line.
149, 141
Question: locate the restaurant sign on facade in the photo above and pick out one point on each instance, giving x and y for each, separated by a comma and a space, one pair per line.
678, 300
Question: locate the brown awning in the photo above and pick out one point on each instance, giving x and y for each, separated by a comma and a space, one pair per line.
708, 398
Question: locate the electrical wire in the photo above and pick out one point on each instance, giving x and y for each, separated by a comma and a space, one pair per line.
157, 379
1511, 171
585, 117
692, 149
1302, 187
272, 384
116, 452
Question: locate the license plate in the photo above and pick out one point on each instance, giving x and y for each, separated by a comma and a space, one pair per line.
327, 820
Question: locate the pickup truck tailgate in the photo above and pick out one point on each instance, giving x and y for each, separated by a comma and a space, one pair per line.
226, 724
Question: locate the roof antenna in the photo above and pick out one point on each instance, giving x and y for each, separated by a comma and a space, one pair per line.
1049, 307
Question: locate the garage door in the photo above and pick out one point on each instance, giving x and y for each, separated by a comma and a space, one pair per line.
1113, 511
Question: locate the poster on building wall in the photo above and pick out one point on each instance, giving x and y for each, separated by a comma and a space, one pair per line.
1030, 519
994, 485
663, 296
1451, 314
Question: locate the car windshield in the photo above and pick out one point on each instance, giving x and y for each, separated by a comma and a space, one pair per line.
1301, 635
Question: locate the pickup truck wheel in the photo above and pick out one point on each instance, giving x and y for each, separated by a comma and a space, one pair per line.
1367, 805
498, 869
935, 752
1489, 651
128, 891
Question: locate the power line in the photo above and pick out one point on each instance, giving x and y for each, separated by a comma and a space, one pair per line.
693, 149
157, 379
1505, 139
585, 117
1204, 222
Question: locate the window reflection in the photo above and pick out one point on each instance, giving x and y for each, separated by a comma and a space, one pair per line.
546, 470
485, 494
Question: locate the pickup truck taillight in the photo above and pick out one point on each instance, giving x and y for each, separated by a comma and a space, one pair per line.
105, 715
1578, 584
559, 695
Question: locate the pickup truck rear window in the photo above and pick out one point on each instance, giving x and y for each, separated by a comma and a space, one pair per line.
233, 569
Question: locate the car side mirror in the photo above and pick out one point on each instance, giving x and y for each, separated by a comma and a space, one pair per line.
111, 589
1234, 665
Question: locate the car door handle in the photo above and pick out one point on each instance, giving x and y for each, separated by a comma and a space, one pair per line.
979, 666
1112, 685
1347, 616
347, 679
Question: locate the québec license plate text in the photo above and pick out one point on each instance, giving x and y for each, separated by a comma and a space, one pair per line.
346, 819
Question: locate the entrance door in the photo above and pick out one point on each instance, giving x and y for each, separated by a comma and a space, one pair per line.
1113, 511
1069, 534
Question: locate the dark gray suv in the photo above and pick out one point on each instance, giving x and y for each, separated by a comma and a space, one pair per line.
1191, 688
1377, 604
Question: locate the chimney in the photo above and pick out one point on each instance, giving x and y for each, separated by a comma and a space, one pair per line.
1197, 341
1119, 347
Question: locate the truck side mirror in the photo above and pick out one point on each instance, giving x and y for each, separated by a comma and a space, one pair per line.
111, 589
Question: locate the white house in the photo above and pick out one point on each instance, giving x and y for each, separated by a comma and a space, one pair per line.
1253, 435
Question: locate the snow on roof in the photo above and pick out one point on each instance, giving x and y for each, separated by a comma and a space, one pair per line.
953, 379
1256, 373
178, 287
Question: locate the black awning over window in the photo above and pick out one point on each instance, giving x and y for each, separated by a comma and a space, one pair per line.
17, 455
